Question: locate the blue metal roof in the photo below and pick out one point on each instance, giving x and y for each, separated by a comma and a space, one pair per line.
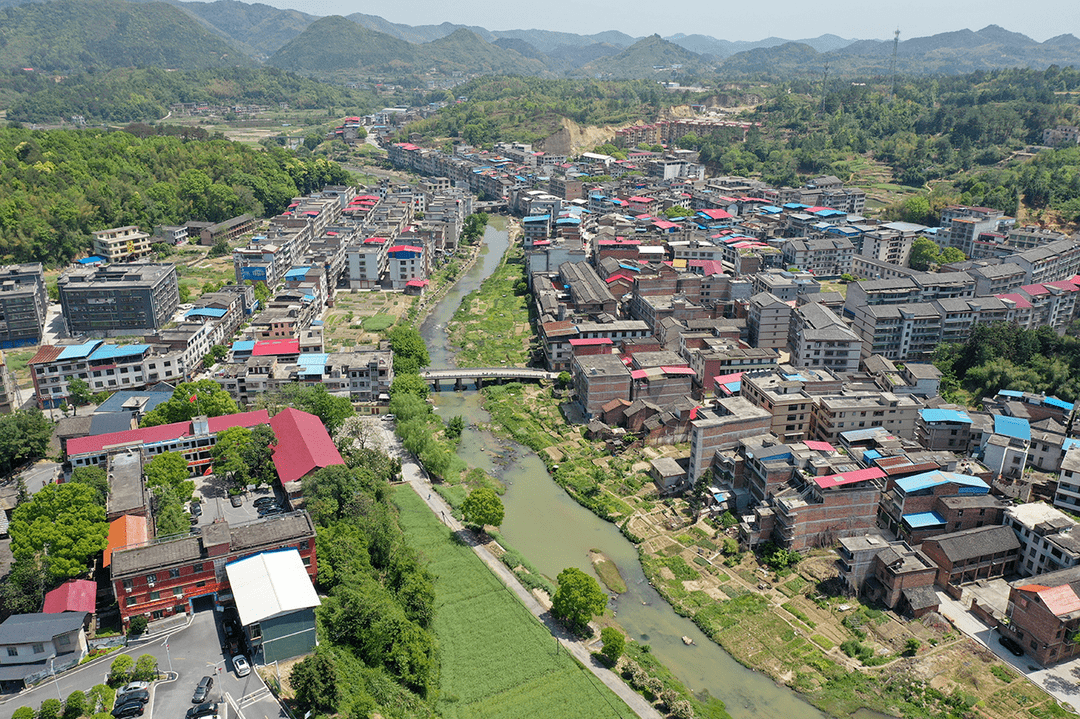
1055, 402
536, 218
91, 260
944, 415
311, 358
770, 209
1014, 427
79, 351
1069, 443
871, 454
1010, 392
923, 520
116, 401
113, 351
926, 480
243, 346
296, 273
205, 312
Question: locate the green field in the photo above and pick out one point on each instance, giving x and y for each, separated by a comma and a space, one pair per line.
498, 661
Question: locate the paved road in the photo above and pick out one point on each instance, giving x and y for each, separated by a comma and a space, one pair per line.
1061, 681
194, 650
416, 478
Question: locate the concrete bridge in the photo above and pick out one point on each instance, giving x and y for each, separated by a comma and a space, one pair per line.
478, 375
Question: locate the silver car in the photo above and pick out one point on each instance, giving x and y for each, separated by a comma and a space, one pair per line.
241, 666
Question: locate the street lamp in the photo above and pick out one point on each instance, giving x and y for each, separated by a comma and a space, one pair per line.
56, 682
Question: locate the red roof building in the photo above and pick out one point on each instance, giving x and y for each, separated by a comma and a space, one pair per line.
128, 530
303, 446
76, 595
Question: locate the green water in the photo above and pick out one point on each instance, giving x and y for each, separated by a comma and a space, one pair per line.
554, 532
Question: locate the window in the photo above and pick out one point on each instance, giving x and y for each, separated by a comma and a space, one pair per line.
154, 596
127, 585
197, 568
174, 574
178, 591
13, 651
63, 640
39, 649
151, 579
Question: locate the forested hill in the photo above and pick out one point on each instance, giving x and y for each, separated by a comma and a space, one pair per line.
66, 35
57, 186
140, 95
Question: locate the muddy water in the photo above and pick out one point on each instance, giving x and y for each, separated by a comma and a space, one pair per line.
554, 532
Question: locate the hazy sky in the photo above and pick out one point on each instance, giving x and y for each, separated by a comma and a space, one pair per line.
789, 19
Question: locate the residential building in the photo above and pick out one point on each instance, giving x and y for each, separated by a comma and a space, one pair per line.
1067, 494
904, 580
944, 429
1044, 615
23, 304
820, 510
823, 257
1048, 538
720, 426
834, 414
303, 446
34, 645
276, 602
820, 339
768, 320
787, 394
226, 230
119, 299
598, 379
161, 579
971, 555
121, 244
908, 502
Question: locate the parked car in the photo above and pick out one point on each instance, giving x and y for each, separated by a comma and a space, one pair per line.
241, 666
132, 687
264, 502
135, 695
1012, 646
388, 418
236, 500
128, 709
196, 511
203, 690
202, 710
271, 510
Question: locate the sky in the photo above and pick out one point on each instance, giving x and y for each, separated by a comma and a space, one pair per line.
724, 19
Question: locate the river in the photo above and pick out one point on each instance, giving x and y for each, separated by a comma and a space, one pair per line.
555, 532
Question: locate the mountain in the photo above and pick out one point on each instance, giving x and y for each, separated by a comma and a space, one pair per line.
706, 45
549, 41
258, 29
650, 57
787, 58
567, 58
335, 44
466, 51
66, 35
416, 34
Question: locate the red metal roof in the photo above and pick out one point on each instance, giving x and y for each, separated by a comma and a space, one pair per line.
1017, 299
124, 531
613, 278
677, 370
716, 214
242, 419
164, 432
265, 348
1034, 290
303, 445
1060, 600
819, 446
728, 378
859, 475
45, 353
405, 248
638, 374
77, 595
590, 341
418, 283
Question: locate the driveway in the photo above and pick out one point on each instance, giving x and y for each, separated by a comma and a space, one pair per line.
190, 653
1061, 681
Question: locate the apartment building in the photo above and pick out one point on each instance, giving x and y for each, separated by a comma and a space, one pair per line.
1049, 540
943, 429
1058, 260
821, 510
23, 304
368, 263
887, 245
835, 414
1044, 615
998, 279
121, 244
119, 299
598, 379
820, 339
823, 257
1067, 494
768, 319
972, 555
908, 503
720, 426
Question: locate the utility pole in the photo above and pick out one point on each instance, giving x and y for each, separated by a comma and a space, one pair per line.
892, 68
824, 79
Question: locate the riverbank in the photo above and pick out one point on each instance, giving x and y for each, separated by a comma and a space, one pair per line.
840, 655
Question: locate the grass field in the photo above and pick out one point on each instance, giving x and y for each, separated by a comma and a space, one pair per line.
498, 661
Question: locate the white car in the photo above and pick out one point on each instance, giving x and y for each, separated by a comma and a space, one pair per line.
241, 666
133, 687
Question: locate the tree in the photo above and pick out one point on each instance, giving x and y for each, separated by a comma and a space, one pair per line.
23, 713
923, 254
76, 705
50, 709
24, 436
191, 399
146, 668
228, 456
315, 682
101, 697
79, 392
137, 625
577, 599
406, 383
120, 670
951, 254
483, 507
23, 590
614, 644
215, 355
455, 427
169, 515
911, 646
259, 455
565, 379
96, 479
63, 525
410, 352
677, 211
170, 469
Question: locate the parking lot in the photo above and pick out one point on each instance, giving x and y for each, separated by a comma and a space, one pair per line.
215, 501
191, 652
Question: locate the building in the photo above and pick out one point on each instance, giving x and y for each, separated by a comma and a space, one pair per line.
902, 579
598, 379
944, 429
787, 394
407, 262
768, 320
276, 603
721, 426
34, 645
908, 503
303, 446
823, 257
972, 554
820, 339
1044, 615
160, 579
121, 244
1048, 538
74, 595
834, 414
821, 510
226, 230
121, 299
24, 303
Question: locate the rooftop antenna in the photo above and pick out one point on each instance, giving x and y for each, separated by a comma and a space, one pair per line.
892, 68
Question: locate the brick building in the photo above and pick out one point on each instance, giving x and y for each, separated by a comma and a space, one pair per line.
972, 554
1044, 615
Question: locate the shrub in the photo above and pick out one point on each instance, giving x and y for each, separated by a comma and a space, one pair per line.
50, 709
23, 713
120, 669
146, 668
75, 706
137, 626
